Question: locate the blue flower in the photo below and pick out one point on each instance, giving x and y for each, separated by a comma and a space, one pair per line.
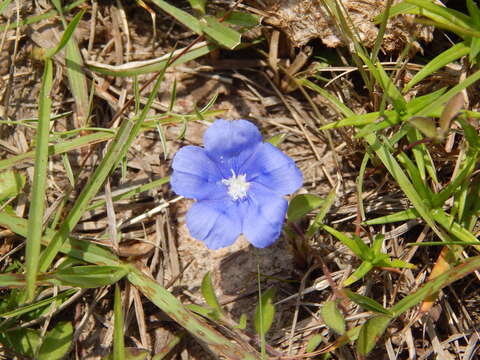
239, 183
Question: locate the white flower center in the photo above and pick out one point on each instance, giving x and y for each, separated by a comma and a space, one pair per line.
237, 186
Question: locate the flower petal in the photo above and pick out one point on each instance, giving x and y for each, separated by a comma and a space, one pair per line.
195, 175
225, 139
272, 168
264, 216
216, 222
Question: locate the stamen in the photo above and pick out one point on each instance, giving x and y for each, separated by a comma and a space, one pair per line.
237, 186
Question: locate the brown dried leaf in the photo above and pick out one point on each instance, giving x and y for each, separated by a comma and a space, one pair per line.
305, 20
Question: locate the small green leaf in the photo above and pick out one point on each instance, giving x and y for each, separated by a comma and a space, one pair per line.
324, 209
362, 270
264, 312
377, 244
277, 139
208, 293
242, 322
314, 342
11, 183
333, 318
301, 205
359, 248
370, 332
57, 342
366, 302
198, 5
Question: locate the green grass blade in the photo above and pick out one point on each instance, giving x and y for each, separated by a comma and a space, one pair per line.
400, 216
357, 247
36, 18
168, 303
60, 148
356, 120
9, 280
77, 81
362, 270
366, 302
418, 152
118, 342
455, 229
414, 173
264, 314
37, 207
324, 209
395, 10
198, 5
181, 16
466, 170
67, 35
452, 16
385, 83
37, 305
221, 33
448, 56
4, 4
79, 249
90, 190
397, 173
88, 276
68, 170
132, 192
442, 100
149, 66
359, 184
436, 284
208, 293
345, 110
125, 136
